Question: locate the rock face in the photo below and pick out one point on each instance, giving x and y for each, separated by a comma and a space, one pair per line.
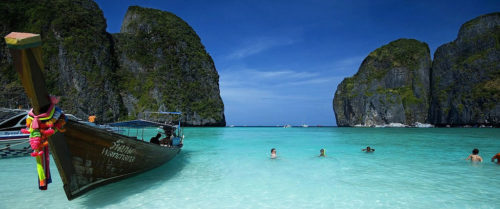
466, 76
165, 67
77, 53
391, 86
155, 65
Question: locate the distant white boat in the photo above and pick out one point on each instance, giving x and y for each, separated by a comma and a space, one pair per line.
305, 125
287, 126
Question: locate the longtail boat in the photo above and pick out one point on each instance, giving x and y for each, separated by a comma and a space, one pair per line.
86, 156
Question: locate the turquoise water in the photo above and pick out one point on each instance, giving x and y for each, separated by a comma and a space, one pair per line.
231, 168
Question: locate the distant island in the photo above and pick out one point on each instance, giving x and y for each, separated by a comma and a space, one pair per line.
399, 85
156, 63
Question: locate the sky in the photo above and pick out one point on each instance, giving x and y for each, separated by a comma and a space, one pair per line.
280, 61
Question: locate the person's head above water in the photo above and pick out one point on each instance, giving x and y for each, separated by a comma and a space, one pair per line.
368, 149
475, 151
497, 157
273, 153
322, 152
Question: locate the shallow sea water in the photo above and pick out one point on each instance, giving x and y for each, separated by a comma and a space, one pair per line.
231, 168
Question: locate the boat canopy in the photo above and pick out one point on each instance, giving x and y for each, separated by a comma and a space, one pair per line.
141, 123
136, 124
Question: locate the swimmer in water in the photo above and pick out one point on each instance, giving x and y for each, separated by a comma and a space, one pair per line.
273, 153
474, 157
322, 153
497, 156
368, 149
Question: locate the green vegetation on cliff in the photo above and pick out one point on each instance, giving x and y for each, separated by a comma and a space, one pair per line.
399, 53
163, 65
395, 78
76, 52
391, 86
156, 63
466, 76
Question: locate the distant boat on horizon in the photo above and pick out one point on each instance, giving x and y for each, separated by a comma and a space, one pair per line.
287, 126
305, 125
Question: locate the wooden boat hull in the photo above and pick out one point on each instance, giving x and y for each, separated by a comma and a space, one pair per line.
88, 157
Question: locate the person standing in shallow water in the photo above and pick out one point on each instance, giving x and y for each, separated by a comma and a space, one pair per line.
273, 153
497, 156
474, 157
322, 153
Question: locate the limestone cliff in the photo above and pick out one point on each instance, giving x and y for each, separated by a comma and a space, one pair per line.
165, 67
461, 89
391, 86
157, 63
465, 76
79, 63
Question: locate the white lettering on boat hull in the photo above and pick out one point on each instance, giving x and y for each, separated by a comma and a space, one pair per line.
120, 151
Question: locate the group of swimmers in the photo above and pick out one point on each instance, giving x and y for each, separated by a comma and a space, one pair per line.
322, 152
474, 157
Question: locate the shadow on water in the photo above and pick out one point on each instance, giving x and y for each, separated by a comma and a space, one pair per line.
118, 191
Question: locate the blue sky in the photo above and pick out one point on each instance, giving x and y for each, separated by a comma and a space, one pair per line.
280, 61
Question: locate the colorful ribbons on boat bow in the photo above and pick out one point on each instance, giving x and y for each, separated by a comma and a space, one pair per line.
41, 127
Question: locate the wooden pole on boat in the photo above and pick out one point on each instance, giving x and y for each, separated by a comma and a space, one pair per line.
26, 52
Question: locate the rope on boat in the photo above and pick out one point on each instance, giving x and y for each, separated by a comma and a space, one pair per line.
7, 147
41, 127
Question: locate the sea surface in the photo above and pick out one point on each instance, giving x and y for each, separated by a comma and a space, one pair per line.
231, 168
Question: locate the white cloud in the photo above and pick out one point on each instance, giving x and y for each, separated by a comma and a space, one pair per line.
317, 80
259, 45
331, 73
270, 86
278, 91
346, 66
240, 76
349, 61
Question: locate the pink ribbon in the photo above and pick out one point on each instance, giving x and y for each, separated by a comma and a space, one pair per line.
36, 120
